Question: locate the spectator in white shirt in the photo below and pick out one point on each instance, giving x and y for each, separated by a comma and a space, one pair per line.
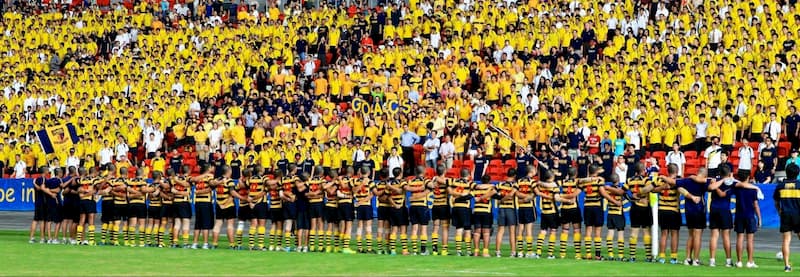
432, 150
713, 155
773, 128
20, 168
394, 161
621, 169
151, 146
676, 157
105, 155
121, 149
746, 156
447, 151
700, 128
72, 159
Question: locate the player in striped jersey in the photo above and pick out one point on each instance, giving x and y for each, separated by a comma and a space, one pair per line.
276, 215
507, 213
482, 215
399, 212
527, 212
258, 207
548, 191
669, 217
331, 213
181, 189
362, 191
692, 188
592, 210
137, 190
615, 223
419, 214
440, 211
120, 208
167, 213
641, 215
88, 206
460, 192
316, 208
288, 195
787, 203
384, 211
570, 216
245, 213
224, 192
203, 209
346, 209
153, 210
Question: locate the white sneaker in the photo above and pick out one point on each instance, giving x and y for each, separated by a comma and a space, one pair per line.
272, 248
687, 262
529, 256
712, 262
32, 240
739, 264
751, 265
498, 254
520, 255
205, 245
42, 241
73, 242
728, 263
194, 246
697, 263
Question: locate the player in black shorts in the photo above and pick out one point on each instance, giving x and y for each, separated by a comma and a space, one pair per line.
593, 211
384, 209
331, 213
787, 200
641, 214
104, 188
526, 197
203, 208
419, 214
288, 195
256, 208
362, 191
570, 216
507, 212
346, 209
549, 192
316, 209
398, 215
154, 207
245, 211
482, 215
40, 208
224, 189
119, 192
137, 190
460, 191
88, 207
440, 211
71, 207
303, 221
669, 217
615, 223
181, 189
276, 214
167, 214
721, 218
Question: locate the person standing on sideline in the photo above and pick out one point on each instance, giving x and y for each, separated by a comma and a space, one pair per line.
447, 151
432, 150
746, 155
677, 158
407, 140
787, 202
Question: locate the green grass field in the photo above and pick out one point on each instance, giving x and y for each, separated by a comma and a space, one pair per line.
22, 258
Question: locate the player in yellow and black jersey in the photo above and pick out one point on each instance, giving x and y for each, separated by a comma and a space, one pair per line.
224, 189
419, 214
641, 215
331, 238
137, 189
482, 215
526, 196
87, 207
118, 192
548, 191
245, 210
440, 212
153, 209
161, 217
363, 192
384, 211
181, 190
593, 210
256, 207
570, 214
288, 195
693, 189
167, 208
346, 209
316, 209
203, 208
615, 223
274, 190
669, 217
507, 212
398, 215
460, 191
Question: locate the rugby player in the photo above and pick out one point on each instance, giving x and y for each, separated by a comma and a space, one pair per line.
440, 212
419, 214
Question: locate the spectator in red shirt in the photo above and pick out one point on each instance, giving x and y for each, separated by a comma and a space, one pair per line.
593, 142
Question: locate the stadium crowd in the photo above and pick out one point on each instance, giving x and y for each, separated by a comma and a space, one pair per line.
203, 92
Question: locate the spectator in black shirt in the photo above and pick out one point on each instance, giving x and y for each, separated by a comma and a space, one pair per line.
176, 161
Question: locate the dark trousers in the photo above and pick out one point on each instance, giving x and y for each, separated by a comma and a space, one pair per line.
410, 163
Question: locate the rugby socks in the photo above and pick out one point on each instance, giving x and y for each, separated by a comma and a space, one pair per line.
103, 230
251, 237
160, 236
114, 233
393, 242
125, 233
468, 243
369, 242
458, 244
346, 241
423, 243
312, 240
598, 245
273, 237
445, 227
539, 243
360, 242
576, 244
79, 235
562, 241
404, 242
149, 235
185, 238
321, 240
551, 245
435, 242
90, 234
328, 240
610, 246
620, 248
519, 244
337, 236
587, 245
648, 247
528, 245
141, 236
239, 235
287, 239
260, 232
414, 242
633, 242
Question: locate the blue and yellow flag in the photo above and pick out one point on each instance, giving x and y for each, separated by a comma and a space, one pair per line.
57, 139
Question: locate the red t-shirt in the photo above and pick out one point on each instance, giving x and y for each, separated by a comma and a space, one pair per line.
593, 139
